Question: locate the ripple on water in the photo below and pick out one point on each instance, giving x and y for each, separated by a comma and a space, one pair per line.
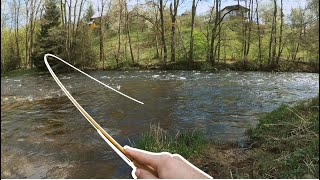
65, 77
155, 76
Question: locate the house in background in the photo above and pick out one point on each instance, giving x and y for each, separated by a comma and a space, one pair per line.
94, 20
235, 11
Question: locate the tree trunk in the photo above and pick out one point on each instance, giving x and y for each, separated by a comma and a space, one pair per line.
16, 34
101, 34
193, 14
27, 34
165, 56
119, 34
213, 34
259, 36
219, 32
273, 34
138, 40
173, 14
280, 37
275, 31
128, 31
249, 30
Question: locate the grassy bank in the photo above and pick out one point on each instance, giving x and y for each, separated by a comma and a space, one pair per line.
285, 144
185, 143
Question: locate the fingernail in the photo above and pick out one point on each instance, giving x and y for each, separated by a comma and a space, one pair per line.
126, 147
138, 172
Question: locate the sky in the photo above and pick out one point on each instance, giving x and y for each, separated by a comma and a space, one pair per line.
205, 5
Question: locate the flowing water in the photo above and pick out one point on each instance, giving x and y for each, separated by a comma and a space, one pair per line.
44, 136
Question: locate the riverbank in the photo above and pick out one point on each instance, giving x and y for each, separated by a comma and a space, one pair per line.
284, 144
284, 66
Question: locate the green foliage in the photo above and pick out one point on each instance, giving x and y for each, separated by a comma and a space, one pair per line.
12, 61
200, 47
145, 38
84, 52
185, 143
51, 36
89, 13
287, 142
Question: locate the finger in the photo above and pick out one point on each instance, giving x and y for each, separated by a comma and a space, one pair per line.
143, 157
144, 174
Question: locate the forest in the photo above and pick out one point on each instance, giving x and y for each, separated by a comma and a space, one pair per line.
151, 34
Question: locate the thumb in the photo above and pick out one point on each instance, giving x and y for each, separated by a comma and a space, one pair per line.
143, 174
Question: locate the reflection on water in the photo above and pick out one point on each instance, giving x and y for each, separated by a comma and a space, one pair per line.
44, 136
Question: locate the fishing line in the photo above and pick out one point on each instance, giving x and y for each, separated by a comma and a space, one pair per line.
111, 142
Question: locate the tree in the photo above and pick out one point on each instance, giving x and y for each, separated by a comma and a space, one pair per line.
273, 33
50, 38
193, 13
16, 12
280, 46
173, 15
84, 43
89, 13
259, 35
127, 23
161, 9
120, 4
33, 8
101, 33
297, 23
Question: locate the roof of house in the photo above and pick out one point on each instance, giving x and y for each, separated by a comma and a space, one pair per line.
235, 7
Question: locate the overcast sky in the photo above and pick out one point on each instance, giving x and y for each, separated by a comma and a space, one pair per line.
287, 4
205, 5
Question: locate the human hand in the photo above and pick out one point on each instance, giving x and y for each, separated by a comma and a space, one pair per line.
166, 165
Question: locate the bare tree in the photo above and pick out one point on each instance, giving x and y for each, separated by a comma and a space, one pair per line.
259, 35
247, 37
120, 4
273, 33
161, 9
193, 14
214, 34
128, 30
280, 47
16, 14
33, 8
173, 14
101, 32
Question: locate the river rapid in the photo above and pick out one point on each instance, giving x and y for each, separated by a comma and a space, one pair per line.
44, 136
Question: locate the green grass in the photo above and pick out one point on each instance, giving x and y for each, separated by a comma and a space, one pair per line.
286, 142
185, 143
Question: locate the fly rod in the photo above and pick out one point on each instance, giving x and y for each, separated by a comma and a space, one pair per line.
111, 142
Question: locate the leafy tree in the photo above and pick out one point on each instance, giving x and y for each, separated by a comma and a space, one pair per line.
50, 39
89, 13
11, 57
85, 51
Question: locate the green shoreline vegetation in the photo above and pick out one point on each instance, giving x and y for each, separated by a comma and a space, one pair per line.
183, 65
128, 36
284, 144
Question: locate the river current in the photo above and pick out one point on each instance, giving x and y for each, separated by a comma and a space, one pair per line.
44, 136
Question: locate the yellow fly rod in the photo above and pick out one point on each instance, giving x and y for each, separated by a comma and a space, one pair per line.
111, 142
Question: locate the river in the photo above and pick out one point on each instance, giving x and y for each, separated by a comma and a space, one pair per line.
44, 136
